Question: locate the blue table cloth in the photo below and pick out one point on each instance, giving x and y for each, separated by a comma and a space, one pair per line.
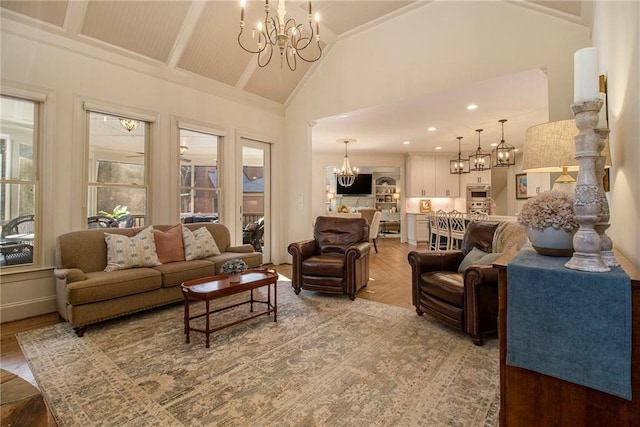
569, 324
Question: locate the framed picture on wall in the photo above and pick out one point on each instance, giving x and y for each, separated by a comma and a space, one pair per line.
521, 186
425, 205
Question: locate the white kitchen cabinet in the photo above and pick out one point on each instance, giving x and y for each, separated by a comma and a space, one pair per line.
538, 182
420, 176
447, 184
417, 228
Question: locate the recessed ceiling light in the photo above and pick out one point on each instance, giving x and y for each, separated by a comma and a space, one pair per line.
494, 144
431, 129
438, 148
472, 107
407, 142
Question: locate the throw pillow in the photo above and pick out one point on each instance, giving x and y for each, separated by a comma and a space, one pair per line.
198, 244
128, 252
474, 255
169, 244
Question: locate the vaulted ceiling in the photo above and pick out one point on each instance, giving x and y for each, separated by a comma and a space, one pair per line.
199, 38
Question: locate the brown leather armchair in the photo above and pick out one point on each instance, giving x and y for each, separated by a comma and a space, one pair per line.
467, 301
336, 260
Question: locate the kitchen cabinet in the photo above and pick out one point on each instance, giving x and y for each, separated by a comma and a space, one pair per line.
417, 228
420, 176
447, 184
428, 176
538, 182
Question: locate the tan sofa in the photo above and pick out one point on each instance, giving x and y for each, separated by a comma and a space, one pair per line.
87, 294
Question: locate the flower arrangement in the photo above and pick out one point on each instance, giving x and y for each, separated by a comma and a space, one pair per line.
549, 209
234, 266
344, 209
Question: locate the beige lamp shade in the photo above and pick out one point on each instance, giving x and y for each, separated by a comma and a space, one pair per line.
549, 147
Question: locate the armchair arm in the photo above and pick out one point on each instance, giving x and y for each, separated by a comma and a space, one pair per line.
300, 251
357, 251
480, 300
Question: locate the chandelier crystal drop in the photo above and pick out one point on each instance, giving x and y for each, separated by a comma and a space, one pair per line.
129, 124
504, 155
480, 160
458, 166
294, 41
346, 175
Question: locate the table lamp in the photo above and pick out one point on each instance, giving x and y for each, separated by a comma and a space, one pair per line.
550, 147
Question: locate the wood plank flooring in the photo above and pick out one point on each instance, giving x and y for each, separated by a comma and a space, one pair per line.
389, 283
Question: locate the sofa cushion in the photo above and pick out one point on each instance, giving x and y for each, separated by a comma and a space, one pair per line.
445, 285
198, 244
253, 259
169, 245
175, 273
101, 286
126, 252
327, 265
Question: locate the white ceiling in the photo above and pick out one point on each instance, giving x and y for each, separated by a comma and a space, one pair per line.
200, 38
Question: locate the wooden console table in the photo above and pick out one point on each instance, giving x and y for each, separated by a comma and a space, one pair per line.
529, 398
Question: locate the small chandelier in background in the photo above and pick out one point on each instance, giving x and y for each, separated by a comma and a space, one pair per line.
504, 155
479, 160
458, 166
183, 149
129, 124
289, 37
346, 174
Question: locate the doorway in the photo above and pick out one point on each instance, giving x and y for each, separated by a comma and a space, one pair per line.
255, 195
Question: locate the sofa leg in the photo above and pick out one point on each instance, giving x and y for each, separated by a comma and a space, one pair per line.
352, 297
420, 312
80, 330
477, 340
296, 290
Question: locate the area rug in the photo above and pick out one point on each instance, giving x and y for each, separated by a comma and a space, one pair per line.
327, 361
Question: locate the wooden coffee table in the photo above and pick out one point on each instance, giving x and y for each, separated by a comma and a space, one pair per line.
215, 287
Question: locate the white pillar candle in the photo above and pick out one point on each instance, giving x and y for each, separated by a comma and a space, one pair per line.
585, 78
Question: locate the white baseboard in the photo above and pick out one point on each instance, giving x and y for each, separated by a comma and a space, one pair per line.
27, 308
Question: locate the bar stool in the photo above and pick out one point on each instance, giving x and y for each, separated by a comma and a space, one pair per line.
443, 237
433, 231
457, 228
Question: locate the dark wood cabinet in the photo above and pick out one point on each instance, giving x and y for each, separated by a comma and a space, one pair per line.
529, 398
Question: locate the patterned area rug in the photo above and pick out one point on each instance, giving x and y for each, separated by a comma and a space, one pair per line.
327, 361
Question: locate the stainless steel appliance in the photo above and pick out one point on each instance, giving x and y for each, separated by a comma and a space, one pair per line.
478, 198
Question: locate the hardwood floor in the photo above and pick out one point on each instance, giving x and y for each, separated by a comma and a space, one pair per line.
389, 283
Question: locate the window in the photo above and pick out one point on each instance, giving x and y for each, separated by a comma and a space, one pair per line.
117, 176
19, 184
199, 176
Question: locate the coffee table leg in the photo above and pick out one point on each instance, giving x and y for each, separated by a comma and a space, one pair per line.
207, 330
187, 326
251, 302
275, 302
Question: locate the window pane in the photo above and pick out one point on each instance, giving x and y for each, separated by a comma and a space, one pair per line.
117, 177
16, 138
199, 183
17, 180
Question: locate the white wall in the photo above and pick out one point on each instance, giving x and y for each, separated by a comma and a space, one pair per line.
616, 34
435, 47
68, 76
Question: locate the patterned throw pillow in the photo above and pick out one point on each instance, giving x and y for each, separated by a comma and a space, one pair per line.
169, 244
198, 244
128, 252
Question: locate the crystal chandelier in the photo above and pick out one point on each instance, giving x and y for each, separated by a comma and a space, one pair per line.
346, 174
479, 160
287, 35
458, 166
129, 124
504, 155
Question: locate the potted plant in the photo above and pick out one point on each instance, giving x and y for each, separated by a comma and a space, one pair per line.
234, 268
344, 209
118, 212
550, 222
